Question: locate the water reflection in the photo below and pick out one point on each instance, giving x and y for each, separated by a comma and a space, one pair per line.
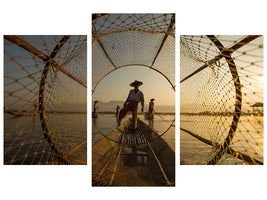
24, 141
248, 138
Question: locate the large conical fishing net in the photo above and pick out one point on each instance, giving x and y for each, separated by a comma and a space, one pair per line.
221, 99
131, 40
45, 99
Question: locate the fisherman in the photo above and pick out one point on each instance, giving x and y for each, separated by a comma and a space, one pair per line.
131, 104
151, 109
95, 109
117, 110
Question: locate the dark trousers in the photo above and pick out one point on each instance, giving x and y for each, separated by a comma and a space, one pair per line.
150, 113
130, 106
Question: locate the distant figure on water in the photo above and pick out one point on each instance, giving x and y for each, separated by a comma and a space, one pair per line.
151, 109
95, 109
117, 110
131, 104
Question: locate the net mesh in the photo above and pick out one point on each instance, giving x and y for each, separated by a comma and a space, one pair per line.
221, 99
118, 41
45, 99
133, 39
133, 164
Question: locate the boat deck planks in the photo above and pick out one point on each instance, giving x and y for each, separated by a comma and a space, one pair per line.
135, 139
138, 160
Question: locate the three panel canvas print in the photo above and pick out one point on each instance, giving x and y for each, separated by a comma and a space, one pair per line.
133, 100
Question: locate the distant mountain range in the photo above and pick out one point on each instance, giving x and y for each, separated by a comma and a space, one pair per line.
111, 107
49, 107
82, 107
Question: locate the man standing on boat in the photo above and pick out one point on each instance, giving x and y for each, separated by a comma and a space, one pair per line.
95, 109
131, 104
117, 110
151, 109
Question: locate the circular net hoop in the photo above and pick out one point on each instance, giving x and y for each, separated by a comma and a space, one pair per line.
221, 99
124, 40
45, 99
133, 39
120, 41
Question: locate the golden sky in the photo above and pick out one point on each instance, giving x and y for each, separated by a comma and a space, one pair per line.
116, 86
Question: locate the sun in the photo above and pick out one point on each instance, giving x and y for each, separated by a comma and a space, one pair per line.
261, 78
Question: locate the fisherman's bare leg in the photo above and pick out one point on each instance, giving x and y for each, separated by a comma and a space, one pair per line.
134, 117
123, 112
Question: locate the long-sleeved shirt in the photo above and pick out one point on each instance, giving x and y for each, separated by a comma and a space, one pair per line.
95, 107
151, 105
136, 96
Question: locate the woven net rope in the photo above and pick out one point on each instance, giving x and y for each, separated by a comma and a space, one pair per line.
221, 99
45, 99
133, 39
120, 41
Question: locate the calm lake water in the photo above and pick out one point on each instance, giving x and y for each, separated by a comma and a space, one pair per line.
248, 138
106, 123
24, 140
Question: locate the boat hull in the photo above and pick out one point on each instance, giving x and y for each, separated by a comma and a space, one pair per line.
147, 162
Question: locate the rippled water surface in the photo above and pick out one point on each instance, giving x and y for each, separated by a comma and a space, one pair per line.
248, 138
24, 139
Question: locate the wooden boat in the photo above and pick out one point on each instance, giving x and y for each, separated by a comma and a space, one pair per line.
140, 159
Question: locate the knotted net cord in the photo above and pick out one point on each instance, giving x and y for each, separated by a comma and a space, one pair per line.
224, 107
121, 41
45, 95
